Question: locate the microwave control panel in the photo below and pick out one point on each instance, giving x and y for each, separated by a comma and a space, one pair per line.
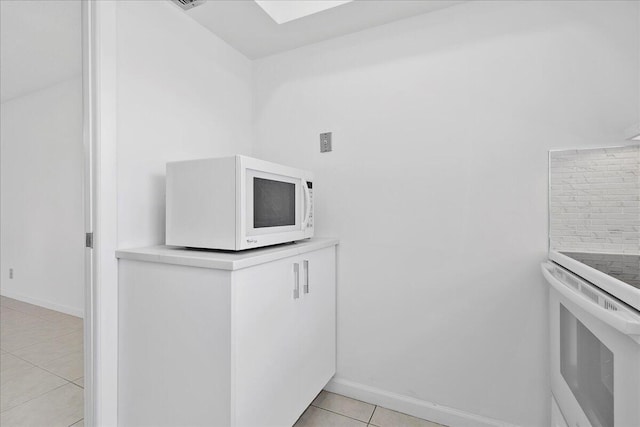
310, 187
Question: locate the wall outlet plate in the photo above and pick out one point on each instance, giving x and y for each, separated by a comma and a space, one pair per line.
325, 142
11, 273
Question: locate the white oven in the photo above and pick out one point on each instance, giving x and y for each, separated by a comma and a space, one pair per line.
595, 354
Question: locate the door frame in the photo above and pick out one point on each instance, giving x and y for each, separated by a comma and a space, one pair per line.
88, 152
100, 206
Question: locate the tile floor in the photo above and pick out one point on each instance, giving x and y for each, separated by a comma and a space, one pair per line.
41, 377
41, 366
333, 410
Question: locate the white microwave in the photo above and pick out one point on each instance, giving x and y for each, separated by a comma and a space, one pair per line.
237, 203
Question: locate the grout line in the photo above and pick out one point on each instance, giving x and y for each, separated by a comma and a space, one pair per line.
33, 398
49, 338
373, 412
337, 413
77, 421
18, 357
357, 400
347, 397
33, 365
46, 340
45, 369
65, 355
59, 376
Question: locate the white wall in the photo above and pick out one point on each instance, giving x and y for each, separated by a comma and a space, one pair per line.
42, 220
437, 185
39, 45
182, 93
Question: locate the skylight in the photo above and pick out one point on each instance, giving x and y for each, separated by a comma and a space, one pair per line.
283, 11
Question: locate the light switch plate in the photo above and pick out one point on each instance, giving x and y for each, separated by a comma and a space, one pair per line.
325, 142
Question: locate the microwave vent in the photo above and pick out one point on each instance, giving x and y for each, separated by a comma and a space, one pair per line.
188, 4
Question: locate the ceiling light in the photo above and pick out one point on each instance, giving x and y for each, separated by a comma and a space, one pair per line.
283, 11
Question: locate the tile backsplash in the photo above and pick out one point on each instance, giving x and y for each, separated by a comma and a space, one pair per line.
594, 200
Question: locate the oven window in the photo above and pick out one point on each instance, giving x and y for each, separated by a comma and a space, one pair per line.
586, 365
274, 203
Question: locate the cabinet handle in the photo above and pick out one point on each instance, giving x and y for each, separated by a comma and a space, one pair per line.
305, 264
296, 280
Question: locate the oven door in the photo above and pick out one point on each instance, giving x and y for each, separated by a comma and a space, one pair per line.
595, 353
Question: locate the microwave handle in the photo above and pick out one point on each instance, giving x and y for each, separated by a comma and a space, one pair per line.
619, 321
307, 204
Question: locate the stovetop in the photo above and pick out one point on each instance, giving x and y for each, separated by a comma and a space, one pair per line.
625, 268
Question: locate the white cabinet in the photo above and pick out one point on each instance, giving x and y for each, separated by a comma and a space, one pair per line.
284, 337
203, 346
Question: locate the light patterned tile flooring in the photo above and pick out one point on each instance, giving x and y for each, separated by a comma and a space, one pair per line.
41, 366
334, 410
41, 382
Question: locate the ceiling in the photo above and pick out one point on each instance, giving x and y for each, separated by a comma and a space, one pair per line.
248, 28
40, 41
40, 45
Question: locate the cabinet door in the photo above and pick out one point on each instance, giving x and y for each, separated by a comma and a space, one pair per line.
317, 322
265, 347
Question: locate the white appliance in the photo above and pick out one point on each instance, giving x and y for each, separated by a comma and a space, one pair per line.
236, 203
616, 274
595, 353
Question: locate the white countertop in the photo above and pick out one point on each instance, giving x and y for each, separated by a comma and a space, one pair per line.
223, 260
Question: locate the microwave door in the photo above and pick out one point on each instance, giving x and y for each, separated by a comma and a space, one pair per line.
275, 204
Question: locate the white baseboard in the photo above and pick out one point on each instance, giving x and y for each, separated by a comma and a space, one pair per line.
43, 303
412, 406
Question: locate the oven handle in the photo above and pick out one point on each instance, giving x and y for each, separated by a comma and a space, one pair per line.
620, 321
